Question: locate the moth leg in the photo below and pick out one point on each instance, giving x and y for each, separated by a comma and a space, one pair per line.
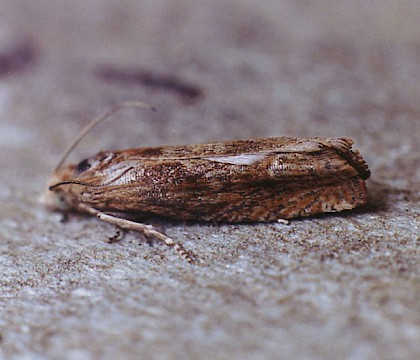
147, 230
119, 234
64, 217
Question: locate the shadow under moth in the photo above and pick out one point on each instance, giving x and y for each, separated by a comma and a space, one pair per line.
256, 180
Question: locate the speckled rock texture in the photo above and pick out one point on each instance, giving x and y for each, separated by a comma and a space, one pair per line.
344, 286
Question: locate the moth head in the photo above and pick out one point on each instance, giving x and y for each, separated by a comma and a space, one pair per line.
55, 197
66, 184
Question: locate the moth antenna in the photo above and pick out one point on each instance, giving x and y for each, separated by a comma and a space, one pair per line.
72, 182
97, 121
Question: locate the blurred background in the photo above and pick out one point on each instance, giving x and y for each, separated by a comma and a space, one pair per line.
216, 70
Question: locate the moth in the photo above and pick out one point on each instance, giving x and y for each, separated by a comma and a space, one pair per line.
255, 180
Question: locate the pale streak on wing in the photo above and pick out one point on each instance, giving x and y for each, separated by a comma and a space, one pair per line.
241, 159
252, 158
306, 146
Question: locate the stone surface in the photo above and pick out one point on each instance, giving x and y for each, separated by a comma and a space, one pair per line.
345, 286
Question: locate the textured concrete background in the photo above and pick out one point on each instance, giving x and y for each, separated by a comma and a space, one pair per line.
345, 286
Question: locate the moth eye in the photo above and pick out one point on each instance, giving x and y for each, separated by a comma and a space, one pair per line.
83, 166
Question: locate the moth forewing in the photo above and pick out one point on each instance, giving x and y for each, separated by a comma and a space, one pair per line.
259, 183
238, 181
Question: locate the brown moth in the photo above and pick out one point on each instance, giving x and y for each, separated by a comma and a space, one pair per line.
256, 180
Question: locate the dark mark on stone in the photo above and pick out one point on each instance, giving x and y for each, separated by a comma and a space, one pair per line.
14, 57
150, 79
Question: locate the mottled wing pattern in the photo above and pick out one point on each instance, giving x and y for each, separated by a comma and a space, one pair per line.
249, 180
